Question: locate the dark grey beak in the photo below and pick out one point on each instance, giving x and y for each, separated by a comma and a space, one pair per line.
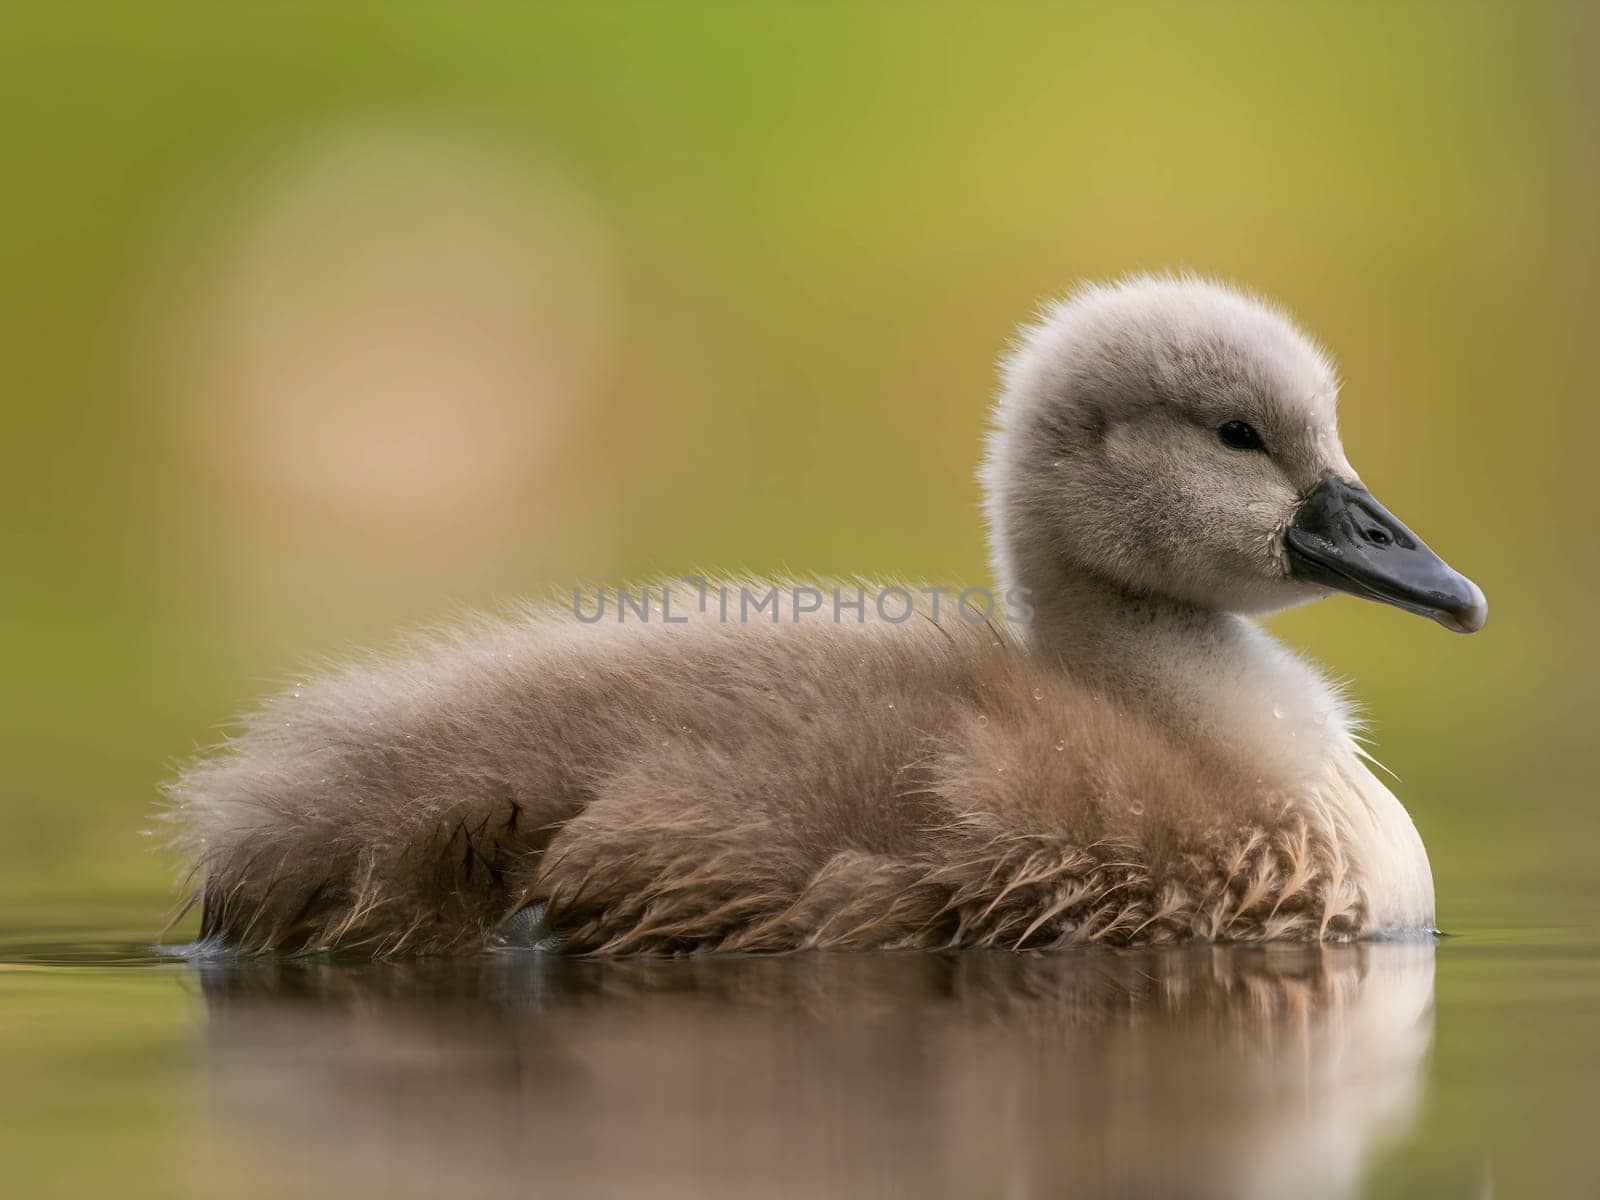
1342, 538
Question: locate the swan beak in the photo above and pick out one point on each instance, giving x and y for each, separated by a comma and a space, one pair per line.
1342, 538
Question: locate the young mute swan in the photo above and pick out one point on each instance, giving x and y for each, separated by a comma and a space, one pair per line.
1137, 763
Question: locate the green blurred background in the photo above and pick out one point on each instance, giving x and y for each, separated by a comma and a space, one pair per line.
323, 321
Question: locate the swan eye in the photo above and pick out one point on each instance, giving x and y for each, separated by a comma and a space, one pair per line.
1240, 435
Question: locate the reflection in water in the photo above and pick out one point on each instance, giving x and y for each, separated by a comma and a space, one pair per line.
1236, 1072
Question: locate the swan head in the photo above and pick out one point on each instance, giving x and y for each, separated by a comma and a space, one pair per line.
1176, 438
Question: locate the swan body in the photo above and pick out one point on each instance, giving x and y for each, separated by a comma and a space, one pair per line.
1135, 762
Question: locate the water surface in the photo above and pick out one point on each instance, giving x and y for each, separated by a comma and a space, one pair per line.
1465, 1067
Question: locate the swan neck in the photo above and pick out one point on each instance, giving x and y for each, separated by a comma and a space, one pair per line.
1152, 650
1220, 682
